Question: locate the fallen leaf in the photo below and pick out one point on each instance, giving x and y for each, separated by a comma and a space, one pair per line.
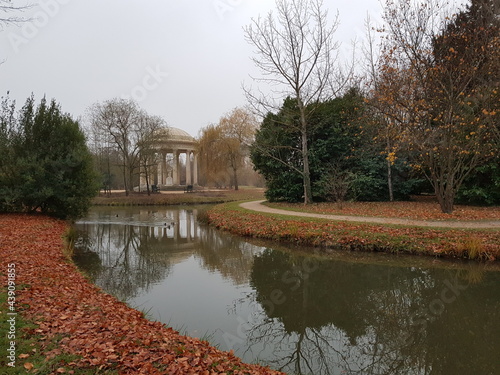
28, 366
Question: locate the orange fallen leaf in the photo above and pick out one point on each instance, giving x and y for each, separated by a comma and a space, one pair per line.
28, 366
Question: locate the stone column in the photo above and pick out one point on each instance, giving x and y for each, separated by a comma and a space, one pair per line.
188, 167
163, 168
159, 167
175, 167
195, 168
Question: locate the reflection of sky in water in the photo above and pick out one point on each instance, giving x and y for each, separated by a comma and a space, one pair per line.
206, 299
302, 314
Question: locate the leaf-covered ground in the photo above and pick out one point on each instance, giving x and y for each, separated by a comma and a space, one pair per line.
103, 332
328, 234
421, 208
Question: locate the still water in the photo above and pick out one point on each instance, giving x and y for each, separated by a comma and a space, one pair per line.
296, 312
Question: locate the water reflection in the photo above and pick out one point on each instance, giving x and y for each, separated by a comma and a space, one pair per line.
302, 314
338, 317
126, 251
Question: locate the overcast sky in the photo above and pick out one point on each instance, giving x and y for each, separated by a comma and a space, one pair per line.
182, 60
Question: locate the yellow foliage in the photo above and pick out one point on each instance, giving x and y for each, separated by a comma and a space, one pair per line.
391, 156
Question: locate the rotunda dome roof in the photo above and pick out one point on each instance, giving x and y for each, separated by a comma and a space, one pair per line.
175, 134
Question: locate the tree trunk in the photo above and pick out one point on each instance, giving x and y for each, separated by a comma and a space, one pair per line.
235, 177
146, 176
307, 173
125, 185
305, 154
130, 186
445, 196
389, 181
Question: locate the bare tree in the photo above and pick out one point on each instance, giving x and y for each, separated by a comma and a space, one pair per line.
102, 151
237, 132
148, 153
9, 13
124, 125
388, 133
296, 54
438, 81
338, 183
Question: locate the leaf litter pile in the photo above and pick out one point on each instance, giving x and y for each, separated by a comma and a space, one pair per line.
102, 331
421, 208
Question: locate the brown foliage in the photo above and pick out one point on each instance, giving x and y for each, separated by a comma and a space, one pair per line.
438, 83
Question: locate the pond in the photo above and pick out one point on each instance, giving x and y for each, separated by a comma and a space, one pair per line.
295, 311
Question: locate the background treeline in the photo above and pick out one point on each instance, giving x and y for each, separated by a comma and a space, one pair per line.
349, 158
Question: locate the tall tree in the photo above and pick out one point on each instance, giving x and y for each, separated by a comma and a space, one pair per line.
214, 165
387, 132
148, 153
439, 82
276, 154
225, 146
237, 133
296, 52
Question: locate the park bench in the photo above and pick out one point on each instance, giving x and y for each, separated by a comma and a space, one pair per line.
155, 189
189, 189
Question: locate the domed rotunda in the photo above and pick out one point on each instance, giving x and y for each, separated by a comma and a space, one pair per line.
176, 161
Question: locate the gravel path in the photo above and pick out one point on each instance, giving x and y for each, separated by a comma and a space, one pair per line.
258, 206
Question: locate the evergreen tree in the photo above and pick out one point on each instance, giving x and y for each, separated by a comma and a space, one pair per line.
49, 169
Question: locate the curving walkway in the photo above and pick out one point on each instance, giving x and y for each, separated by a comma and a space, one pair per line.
259, 207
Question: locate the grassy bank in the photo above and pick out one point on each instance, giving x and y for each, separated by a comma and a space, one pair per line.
65, 324
177, 198
337, 235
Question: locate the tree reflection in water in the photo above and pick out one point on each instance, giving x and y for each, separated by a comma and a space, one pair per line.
347, 318
126, 252
309, 315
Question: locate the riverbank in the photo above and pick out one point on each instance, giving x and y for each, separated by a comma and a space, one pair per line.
392, 227
65, 324
479, 244
170, 198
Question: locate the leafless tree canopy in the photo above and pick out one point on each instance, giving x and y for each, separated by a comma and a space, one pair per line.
122, 126
11, 13
296, 54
